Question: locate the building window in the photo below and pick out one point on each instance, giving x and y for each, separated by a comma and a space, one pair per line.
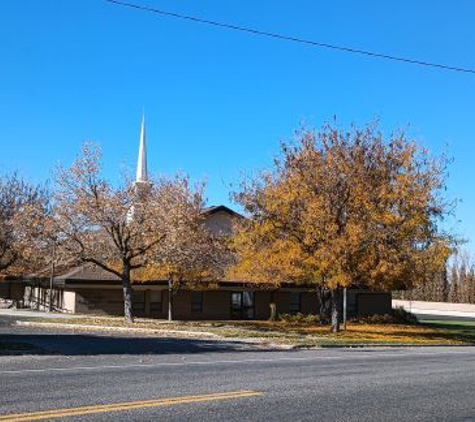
295, 302
196, 302
139, 302
242, 305
155, 302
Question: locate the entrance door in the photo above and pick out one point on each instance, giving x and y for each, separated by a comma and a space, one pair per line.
242, 305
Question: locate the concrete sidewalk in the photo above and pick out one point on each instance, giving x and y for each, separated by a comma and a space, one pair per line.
437, 309
28, 313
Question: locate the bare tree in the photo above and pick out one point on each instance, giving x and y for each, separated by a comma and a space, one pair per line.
119, 229
191, 255
23, 211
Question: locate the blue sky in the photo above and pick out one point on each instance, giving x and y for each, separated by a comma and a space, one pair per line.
217, 103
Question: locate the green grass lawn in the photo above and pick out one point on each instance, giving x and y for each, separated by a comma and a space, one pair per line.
457, 328
448, 322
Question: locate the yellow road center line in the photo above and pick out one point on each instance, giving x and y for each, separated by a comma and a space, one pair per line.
116, 407
133, 403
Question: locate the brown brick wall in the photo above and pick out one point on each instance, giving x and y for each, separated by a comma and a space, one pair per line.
181, 305
4, 290
262, 304
9, 290
109, 302
100, 301
17, 291
374, 303
282, 301
309, 303
216, 305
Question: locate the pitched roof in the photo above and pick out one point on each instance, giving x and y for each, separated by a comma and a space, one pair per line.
71, 271
88, 272
221, 208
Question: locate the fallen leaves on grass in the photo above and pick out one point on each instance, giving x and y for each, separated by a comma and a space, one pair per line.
302, 334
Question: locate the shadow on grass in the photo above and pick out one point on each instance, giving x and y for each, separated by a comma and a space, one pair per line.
449, 324
453, 328
90, 344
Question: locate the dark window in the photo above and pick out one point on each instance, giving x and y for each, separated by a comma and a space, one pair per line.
196, 302
295, 302
139, 302
236, 301
242, 305
155, 302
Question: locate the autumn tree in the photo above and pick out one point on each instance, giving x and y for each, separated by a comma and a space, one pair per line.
117, 228
191, 255
435, 288
23, 211
462, 278
344, 209
465, 269
454, 282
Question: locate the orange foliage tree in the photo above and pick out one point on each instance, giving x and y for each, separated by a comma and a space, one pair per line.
344, 209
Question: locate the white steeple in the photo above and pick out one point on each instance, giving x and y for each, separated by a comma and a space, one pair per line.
142, 171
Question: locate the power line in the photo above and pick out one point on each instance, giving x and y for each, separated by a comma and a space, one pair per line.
292, 39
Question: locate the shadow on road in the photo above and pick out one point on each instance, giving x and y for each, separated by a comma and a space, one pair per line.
90, 344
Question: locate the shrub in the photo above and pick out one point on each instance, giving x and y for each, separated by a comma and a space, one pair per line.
298, 318
373, 319
399, 316
404, 317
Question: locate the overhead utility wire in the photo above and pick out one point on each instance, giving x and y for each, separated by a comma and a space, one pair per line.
292, 39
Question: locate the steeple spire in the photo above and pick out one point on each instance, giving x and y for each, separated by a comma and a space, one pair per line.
142, 171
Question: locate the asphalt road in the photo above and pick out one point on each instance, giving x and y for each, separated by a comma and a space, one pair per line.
428, 384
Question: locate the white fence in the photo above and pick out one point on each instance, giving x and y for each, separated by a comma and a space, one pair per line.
436, 308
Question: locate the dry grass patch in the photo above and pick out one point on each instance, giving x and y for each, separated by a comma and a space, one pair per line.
300, 334
407, 334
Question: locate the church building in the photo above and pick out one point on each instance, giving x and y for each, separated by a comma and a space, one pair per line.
87, 289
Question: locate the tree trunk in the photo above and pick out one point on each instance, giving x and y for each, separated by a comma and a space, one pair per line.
128, 296
345, 308
324, 302
273, 312
446, 286
170, 300
335, 295
272, 307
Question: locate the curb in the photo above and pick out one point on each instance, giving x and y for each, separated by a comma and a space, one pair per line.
166, 333
112, 328
389, 346
216, 337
